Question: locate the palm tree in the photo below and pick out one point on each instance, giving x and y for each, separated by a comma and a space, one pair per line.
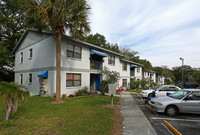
59, 16
12, 93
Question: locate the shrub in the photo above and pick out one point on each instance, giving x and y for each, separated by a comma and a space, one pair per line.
71, 95
104, 87
85, 91
78, 93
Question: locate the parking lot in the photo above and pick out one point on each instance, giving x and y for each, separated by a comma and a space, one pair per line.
186, 124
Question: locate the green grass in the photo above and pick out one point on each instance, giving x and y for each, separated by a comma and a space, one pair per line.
134, 90
78, 115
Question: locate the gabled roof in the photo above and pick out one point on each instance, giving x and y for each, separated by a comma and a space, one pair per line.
92, 46
128, 61
24, 36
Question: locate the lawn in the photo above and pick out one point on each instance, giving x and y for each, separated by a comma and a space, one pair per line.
77, 115
134, 90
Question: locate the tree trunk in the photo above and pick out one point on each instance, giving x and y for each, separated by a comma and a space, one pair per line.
58, 55
9, 105
15, 106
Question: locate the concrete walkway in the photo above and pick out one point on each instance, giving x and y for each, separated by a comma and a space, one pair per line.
135, 123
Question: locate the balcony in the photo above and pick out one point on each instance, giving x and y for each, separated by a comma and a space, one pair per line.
132, 73
95, 64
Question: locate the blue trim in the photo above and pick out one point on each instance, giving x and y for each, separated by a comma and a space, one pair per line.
43, 74
133, 66
97, 81
98, 53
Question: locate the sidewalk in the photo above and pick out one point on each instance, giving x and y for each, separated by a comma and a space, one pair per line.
135, 123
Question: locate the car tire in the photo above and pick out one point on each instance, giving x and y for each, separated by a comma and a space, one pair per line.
151, 95
171, 111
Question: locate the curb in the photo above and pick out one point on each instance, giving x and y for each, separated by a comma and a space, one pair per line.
172, 128
139, 96
151, 109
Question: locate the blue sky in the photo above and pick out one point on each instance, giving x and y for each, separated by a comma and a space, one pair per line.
161, 31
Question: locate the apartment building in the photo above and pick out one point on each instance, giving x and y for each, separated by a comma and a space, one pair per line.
81, 64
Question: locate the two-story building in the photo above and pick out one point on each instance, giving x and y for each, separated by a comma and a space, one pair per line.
35, 64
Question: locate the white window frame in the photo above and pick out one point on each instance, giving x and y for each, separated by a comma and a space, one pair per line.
111, 60
73, 74
124, 66
74, 52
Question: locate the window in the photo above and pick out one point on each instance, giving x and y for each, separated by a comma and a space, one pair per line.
138, 70
164, 89
194, 96
124, 82
74, 51
21, 79
30, 53
124, 66
21, 57
30, 78
173, 89
73, 80
111, 60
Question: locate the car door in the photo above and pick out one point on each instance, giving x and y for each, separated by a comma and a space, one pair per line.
191, 103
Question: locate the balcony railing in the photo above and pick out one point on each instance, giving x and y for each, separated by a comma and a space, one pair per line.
132, 73
94, 64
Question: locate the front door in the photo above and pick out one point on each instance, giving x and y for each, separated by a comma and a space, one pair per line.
97, 81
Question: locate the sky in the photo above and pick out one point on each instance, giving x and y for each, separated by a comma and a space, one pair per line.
161, 31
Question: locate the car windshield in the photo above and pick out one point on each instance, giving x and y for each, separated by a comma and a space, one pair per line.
179, 94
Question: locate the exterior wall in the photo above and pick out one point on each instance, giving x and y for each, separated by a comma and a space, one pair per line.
32, 38
83, 63
85, 81
160, 80
138, 75
124, 74
35, 84
146, 75
43, 58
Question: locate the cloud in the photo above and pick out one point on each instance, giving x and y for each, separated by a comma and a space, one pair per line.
162, 31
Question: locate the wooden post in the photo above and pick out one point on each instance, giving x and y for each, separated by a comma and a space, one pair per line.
111, 100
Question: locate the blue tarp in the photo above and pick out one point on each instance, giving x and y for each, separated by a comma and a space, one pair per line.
98, 53
133, 66
43, 74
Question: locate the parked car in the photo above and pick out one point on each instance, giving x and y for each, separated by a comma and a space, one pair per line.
188, 85
159, 91
183, 101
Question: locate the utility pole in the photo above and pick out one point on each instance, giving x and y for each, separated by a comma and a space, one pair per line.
182, 72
